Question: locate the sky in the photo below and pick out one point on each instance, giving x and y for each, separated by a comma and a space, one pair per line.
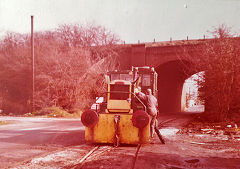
131, 20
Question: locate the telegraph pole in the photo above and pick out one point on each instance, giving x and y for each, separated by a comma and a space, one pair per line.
33, 67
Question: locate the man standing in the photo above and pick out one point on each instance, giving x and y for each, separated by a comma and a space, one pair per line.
151, 105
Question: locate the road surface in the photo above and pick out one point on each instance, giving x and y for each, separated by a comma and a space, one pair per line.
28, 137
59, 143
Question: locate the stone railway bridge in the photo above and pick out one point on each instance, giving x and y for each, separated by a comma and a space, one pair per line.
173, 63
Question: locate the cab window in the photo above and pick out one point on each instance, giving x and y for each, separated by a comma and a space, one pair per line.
146, 80
115, 76
126, 77
119, 92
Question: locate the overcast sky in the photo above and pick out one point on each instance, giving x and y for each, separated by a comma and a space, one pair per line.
132, 20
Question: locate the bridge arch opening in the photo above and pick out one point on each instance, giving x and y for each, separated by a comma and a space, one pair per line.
171, 77
190, 101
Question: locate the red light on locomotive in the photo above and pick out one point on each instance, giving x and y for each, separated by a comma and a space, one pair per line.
140, 119
89, 118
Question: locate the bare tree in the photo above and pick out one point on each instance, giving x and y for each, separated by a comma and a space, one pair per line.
15, 73
69, 65
219, 87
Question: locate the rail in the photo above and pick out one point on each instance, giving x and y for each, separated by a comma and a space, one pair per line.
96, 152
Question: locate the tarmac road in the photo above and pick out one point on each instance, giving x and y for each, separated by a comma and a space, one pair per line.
27, 137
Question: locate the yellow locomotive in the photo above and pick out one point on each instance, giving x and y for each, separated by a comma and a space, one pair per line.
124, 120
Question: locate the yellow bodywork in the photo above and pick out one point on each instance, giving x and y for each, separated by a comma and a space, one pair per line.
105, 130
119, 105
116, 122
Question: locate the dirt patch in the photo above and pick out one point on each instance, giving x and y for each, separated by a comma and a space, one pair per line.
219, 131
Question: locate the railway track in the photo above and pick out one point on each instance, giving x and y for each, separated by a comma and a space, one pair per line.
136, 155
86, 157
163, 123
97, 153
89, 156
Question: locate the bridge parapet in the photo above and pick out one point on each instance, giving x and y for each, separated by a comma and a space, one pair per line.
157, 53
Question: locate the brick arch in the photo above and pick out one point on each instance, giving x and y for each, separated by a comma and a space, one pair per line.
171, 77
171, 61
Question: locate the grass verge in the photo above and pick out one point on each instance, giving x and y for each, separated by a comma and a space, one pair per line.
55, 112
5, 122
